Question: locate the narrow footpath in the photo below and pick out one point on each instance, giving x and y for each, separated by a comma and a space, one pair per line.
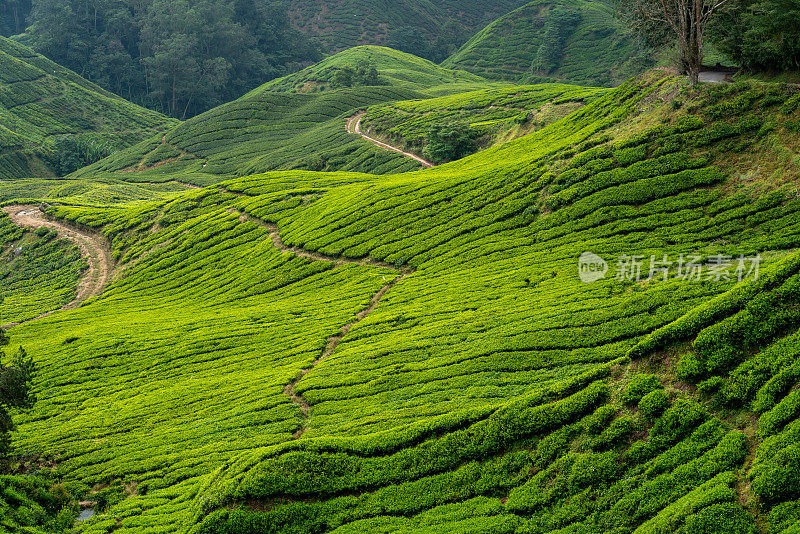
354, 127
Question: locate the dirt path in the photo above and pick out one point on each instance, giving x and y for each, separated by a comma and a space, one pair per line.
92, 247
354, 127
330, 346
332, 342
713, 76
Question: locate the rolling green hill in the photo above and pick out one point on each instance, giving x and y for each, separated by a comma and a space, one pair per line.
416, 352
40, 101
572, 41
395, 68
284, 125
492, 116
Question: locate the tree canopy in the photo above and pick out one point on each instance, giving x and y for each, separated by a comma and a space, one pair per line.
180, 57
760, 35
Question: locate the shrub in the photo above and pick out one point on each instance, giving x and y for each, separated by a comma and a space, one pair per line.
638, 386
450, 142
654, 403
72, 152
728, 518
779, 479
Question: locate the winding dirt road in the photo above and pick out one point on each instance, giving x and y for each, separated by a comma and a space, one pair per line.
354, 127
94, 248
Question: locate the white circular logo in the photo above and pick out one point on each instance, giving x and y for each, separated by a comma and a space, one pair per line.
591, 267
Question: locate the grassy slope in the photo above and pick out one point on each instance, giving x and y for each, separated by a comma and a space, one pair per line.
40, 99
340, 25
274, 127
497, 115
532, 44
486, 392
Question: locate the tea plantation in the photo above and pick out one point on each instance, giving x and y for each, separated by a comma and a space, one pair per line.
492, 116
38, 271
303, 351
572, 41
276, 128
41, 102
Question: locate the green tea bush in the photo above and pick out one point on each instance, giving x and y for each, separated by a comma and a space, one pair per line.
654, 403
638, 386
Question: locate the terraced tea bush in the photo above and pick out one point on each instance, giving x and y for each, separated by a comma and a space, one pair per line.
496, 115
575, 42
320, 351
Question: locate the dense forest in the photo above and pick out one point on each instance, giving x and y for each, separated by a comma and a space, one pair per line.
760, 35
179, 57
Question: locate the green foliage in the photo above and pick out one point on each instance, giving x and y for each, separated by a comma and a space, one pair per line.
654, 403
364, 73
15, 393
36, 504
72, 153
450, 142
760, 35
638, 386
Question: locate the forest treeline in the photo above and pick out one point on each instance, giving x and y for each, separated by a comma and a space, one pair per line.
183, 57
180, 57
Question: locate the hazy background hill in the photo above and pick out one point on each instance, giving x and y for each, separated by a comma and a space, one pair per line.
184, 57
579, 41
432, 29
52, 121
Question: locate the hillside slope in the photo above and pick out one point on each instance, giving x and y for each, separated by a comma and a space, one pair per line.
340, 25
40, 100
571, 41
489, 116
341, 352
285, 125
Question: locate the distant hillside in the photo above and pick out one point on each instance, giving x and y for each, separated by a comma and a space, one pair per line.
576, 41
415, 23
40, 101
296, 122
395, 68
